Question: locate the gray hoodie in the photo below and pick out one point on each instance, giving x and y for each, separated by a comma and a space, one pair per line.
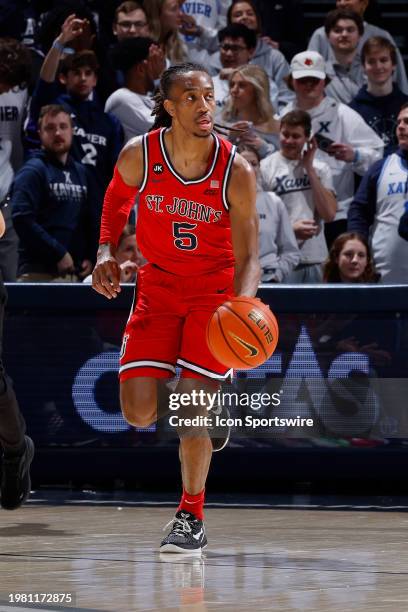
278, 250
319, 42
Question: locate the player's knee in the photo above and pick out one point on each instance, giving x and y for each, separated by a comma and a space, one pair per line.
138, 414
137, 418
139, 406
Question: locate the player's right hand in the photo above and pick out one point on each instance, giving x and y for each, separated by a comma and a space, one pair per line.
106, 275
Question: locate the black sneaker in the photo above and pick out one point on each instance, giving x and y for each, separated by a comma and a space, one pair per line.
219, 434
15, 478
187, 534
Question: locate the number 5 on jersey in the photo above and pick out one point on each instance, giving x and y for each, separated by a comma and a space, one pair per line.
183, 238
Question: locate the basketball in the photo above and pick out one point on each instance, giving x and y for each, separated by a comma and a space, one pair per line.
242, 333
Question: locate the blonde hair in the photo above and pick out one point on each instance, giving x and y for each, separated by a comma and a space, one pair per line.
174, 48
264, 109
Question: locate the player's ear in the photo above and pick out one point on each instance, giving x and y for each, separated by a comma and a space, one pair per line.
169, 107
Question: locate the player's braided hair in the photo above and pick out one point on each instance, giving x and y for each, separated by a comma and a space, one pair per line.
168, 77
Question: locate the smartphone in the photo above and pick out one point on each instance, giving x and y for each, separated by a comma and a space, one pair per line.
323, 142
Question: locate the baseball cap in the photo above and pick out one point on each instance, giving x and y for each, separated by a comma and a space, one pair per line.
307, 64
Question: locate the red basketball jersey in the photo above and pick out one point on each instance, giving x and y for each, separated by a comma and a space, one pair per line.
183, 225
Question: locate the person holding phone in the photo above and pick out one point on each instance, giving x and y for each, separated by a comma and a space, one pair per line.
305, 186
345, 142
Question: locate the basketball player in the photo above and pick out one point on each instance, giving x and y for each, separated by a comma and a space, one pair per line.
197, 228
18, 449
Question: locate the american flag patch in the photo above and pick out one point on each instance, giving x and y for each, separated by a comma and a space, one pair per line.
214, 184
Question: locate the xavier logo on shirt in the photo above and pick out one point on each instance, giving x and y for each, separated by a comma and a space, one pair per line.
400, 187
324, 127
285, 184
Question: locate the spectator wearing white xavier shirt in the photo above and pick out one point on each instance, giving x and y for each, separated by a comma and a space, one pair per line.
305, 186
346, 143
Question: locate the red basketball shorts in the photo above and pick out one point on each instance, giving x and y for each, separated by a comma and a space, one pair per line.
167, 324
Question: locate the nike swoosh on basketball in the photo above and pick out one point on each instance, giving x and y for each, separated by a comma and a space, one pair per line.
253, 351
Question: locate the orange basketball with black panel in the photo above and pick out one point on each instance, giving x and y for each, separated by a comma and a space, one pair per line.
242, 333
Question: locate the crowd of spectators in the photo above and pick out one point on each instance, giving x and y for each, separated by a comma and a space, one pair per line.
323, 122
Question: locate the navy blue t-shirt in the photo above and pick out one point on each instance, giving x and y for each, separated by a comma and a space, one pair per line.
51, 214
380, 113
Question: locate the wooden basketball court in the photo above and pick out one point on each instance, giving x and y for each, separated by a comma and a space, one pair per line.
257, 559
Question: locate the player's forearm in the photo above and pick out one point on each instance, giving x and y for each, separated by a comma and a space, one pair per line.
118, 201
247, 276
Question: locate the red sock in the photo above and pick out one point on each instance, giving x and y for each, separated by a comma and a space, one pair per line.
193, 503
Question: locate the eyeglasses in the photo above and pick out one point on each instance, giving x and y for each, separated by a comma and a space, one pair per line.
127, 25
233, 48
